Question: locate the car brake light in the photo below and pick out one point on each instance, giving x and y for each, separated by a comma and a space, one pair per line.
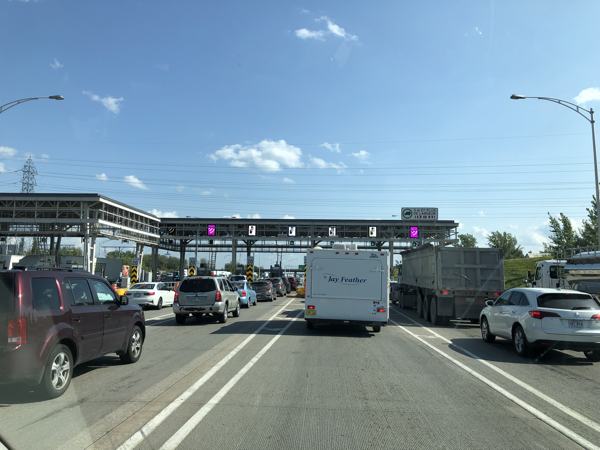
243, 293
268, 288
17, 331
149, 293
542, 314
496, 294
595, 317
310, 307
380, 309
176, 298
127, 293
218, 297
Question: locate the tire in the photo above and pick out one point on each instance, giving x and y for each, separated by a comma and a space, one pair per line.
310, 325
376, 328
426, 308
58, 372
159, 304
520, 342
223, 317
135, 345
486, 335
236, 312
180, 318
592, 355
435, 319
419, 307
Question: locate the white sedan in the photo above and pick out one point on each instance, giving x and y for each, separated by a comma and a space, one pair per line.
536, 318
156, 295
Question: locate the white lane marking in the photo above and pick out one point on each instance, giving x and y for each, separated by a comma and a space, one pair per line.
158, 317
526, 406
139, 436
187, 428
574, 414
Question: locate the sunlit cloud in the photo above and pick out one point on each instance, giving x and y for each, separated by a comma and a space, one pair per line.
102, 177
588, 95
56, 65
111, 103
135, 182
166, 214
333, 147
268, 156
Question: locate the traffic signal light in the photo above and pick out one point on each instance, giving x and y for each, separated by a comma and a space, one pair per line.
331, 243
291, 242
251, 242
414, 244
372, 243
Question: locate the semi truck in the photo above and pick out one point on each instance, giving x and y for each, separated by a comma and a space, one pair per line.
450, 282
580, 271
347, 286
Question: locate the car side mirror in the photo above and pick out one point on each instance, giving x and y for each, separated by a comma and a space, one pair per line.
123, 300
489, 303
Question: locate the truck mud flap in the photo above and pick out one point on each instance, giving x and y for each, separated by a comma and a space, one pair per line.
468, 307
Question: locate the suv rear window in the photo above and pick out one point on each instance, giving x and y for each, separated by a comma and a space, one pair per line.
198, 285
7, 294
567, 301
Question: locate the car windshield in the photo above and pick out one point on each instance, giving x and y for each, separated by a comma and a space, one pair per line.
143, 286
198, 285
567, 301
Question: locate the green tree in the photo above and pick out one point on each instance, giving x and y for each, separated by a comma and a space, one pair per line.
466, 240
507, 242
589, 229
562, 234
70, 251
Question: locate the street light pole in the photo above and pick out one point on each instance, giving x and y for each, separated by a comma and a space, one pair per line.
578, 109
9, 105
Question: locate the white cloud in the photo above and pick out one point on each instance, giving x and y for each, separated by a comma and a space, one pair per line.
288, 180
268, 156
477, 30
319, 163
514, 227
362, 156
110, 103
254, 216
56, 65
208, 192
481, 213
332, 147
102, 177
4, 169
303, 33
130, 179
179, 188
588, 95
288, 217
481, 232
361, 171
233, 216
45, 156
304, 11
167, 214
7, 151
337, 30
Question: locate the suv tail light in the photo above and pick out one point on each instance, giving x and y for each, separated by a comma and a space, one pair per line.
176, 298
268, 287
17, 331
542, 314
218, 297
243, 293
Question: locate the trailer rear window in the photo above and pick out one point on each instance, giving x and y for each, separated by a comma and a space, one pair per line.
198, 285
7, 294
567, 301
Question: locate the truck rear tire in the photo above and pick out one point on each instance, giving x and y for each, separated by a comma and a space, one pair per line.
419, 307
435, 319
426, 307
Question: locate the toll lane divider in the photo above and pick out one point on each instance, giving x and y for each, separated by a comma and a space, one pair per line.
526, 406
189, 426
139, 436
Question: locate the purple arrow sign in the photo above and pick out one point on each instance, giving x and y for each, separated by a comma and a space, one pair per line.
211, 230
414, 232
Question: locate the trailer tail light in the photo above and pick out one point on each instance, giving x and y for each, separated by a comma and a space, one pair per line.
495, 294
444, 292
218, 297
380, 309
243, 293
149, 293
542, 314
310, 307
17, 331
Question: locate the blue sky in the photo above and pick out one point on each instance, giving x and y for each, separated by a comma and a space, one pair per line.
307, 110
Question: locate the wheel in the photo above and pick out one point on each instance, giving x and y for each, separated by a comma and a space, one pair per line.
223, 317
435, 319
592, 355
134, 347
419, 306
310, 325
426, 307
180, 318
376, 328
58, 372
159, 304
485, 331
236, 312
394, 299
255, 301
520, 342
474, 321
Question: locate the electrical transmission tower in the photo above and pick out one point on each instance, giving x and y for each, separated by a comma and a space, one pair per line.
28, 181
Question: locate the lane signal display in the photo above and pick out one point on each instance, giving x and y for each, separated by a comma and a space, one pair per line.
372, 232
251, 230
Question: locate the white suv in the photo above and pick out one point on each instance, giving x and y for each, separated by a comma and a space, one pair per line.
206, 295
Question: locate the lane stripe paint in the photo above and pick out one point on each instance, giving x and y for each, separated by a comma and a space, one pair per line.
140, 435
158, 317
526, 406
574, 414
189, 426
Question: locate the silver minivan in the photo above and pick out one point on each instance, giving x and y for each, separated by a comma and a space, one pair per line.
206, 295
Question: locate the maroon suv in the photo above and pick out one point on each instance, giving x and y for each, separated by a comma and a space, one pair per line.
53, 320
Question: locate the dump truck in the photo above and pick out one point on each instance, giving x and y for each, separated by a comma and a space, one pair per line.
450, 282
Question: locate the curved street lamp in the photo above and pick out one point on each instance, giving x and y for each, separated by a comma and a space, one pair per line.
23, 100
578, 109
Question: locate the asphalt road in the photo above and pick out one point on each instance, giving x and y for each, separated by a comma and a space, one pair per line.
263, 381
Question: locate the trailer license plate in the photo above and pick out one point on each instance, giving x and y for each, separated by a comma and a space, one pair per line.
311, 312
575, 323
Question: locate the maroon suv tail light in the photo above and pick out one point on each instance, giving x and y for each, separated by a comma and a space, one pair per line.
17, 331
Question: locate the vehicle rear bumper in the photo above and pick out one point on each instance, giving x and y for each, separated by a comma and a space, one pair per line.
216, 308
347, 322
567, 345
21, 365
244, 300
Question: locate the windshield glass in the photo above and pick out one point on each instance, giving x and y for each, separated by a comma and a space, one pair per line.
567, 301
